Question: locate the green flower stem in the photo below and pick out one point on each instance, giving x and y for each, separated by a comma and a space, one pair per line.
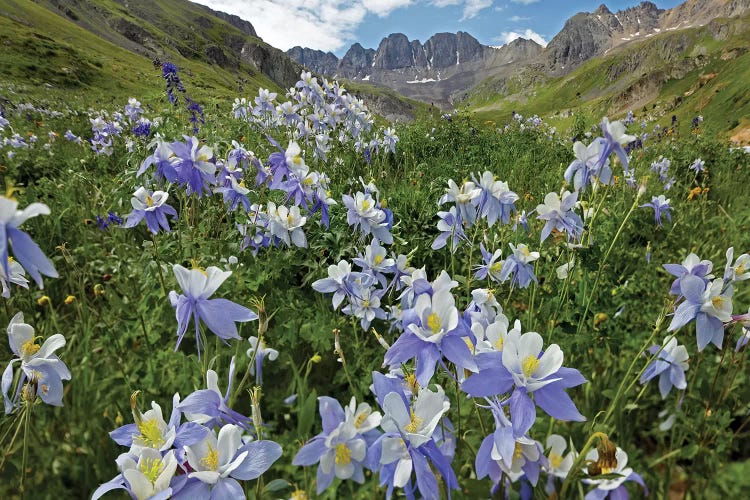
621, 389
582, 321
158, 265
580, 459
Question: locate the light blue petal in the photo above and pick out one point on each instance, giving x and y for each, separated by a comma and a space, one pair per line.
261, 455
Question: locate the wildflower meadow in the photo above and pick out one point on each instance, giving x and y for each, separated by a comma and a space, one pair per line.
285, 296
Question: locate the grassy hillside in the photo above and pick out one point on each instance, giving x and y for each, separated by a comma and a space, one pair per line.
684, 73
49, 54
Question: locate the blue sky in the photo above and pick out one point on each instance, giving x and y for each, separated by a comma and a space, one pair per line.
333, 25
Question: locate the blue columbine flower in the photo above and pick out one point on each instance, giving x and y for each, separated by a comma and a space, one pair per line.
193, 165
559, 214
25, 250
218, 462
709, 304
450, 227
432, 330
660, 204
151, 206
375, 262
464, 197
615, 138
497, 201
692, 265
209, 407
519, 265
364, 213
39, 365
588, 167
491, 265
258, 352
219, 315
409, 445
670, 365
698, 166
523, 367
164, 160
341, 449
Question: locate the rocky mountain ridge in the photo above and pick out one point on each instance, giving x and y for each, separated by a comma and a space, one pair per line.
447, 65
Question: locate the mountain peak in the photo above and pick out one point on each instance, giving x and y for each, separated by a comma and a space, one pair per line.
602, 9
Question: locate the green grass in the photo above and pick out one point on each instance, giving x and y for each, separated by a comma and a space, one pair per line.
122, 341
596, 87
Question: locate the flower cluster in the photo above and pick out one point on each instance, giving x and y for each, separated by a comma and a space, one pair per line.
317, 113
484, 198
204, 450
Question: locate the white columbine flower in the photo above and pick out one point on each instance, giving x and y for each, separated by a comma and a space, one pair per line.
417, 423
558, 466
153, 431
151, 474
286, 224
521, 358
438, 315
213, 458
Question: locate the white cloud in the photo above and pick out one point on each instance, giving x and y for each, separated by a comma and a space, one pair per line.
525, 2
509, 36
384, 7
473, 7
446, 3
320, 24
516, 19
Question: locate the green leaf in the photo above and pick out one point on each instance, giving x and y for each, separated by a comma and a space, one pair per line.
276, 485
307, 414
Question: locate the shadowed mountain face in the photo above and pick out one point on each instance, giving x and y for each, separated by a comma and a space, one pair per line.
160, 28
447, 65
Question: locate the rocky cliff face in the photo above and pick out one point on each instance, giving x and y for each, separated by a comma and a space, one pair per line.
586, 35
356, 60
325, 63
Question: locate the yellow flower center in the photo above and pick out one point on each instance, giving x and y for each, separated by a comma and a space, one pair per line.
378, 259
343, 455
740, 269
517, 451
366, 205
555, 460
289, 219
297, 160
30, 347
360, 419
211, 460
411, 379
500, 344
717, 302
149, 201
151, 468
529, 365
525, 251
150, 433
496, 267
365, 303
307, 181
433, 322
298, 495
414, 423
